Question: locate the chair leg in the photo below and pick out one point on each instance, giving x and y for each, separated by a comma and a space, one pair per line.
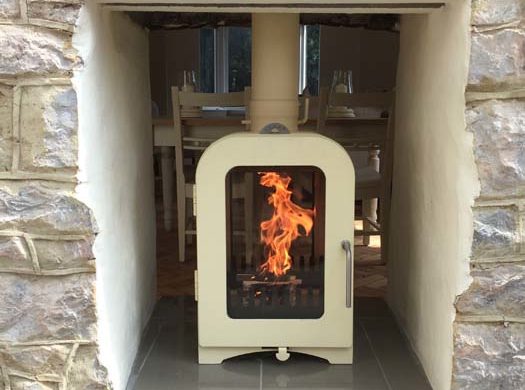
166, 167
189, 212
181, 222
181, 205
370, 205
369, 212
385, 228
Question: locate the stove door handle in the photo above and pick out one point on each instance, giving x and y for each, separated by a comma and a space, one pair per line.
347, 246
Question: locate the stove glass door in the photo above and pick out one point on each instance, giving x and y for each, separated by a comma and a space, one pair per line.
275, 242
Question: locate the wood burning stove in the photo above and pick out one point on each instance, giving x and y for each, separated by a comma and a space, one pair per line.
278, 276
275, 212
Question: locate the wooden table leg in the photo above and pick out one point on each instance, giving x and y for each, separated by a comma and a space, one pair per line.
166, 167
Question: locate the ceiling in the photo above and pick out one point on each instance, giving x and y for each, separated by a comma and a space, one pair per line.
182, 20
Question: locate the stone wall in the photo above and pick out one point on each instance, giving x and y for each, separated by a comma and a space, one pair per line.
48, 322
489, 333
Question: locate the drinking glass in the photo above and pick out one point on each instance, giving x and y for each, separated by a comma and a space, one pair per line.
341, 82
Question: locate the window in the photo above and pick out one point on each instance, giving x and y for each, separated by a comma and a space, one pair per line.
313, 55
239, 58
207, 60
225, 59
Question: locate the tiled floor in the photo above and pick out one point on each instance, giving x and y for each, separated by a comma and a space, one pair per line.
168, 355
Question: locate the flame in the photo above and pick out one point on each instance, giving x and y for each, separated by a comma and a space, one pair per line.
278, 232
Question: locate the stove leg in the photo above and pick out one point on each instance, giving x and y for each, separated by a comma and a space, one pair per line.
282, 354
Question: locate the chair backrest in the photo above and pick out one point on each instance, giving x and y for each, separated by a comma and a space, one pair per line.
181, 99
201, 99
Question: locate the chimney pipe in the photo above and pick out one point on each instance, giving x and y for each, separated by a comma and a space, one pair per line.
275, 72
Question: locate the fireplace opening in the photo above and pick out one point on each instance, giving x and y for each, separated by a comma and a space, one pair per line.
428, 259
275, 242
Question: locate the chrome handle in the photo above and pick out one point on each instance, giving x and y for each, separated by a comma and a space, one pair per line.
347, 246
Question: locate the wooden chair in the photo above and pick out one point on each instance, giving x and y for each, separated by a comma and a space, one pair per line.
188, 144
375, 180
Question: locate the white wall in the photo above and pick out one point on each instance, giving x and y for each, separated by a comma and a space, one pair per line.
435, 183
116, 175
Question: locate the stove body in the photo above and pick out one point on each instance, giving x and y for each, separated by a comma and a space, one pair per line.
243, 306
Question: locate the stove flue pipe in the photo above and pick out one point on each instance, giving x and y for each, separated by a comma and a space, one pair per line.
275, 72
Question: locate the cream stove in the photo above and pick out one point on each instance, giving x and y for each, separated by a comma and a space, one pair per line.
275, 211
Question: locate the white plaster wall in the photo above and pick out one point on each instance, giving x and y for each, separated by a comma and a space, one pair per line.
435, 182
116, 175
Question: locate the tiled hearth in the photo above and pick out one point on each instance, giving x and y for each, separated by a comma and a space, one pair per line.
168, 357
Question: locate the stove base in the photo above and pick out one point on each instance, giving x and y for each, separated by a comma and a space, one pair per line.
216, 355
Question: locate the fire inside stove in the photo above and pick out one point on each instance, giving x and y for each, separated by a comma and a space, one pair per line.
275, 259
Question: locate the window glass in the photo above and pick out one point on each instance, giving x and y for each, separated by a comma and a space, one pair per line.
207, 60
239, 58
313, 53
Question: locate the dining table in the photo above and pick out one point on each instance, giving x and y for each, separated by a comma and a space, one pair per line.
213, 125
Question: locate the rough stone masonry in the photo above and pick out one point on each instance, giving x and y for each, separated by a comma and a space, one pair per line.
489, 331
48, 322
48, 334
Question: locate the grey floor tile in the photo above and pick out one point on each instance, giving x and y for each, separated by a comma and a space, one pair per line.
399, 364
172, 365
168, 358
371, 307
172, 362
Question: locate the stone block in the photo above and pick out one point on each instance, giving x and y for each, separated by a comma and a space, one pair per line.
86, 371
497, 59
62, 12
496, 232
499, 141
48, 127
489, 356
14, 254
36, 360
62, 254
9, 9
38, 308
497, 12
495, 290
18, 383
35, 50
35, 209
6, 127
